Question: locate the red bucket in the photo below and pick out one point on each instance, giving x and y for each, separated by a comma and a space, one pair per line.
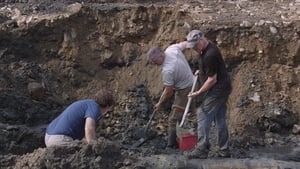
187, 141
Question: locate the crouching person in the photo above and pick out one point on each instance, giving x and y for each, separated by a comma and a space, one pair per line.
78, 120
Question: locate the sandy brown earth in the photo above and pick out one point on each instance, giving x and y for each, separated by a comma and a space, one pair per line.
52, 53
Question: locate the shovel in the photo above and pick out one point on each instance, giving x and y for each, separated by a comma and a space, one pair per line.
147, 137
179, 130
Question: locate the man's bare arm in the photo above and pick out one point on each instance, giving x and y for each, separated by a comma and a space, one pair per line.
166, 95
209, 83
90, 129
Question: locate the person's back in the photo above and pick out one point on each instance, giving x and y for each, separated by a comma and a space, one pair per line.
71, 121
214, 90
176, 70
79, 120
211, 62
178, 80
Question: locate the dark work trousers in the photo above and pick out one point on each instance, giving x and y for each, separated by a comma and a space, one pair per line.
178, 107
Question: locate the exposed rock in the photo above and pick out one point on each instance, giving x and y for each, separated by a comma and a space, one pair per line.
36, 90
61, 51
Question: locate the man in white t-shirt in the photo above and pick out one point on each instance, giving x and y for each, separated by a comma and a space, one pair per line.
178, 79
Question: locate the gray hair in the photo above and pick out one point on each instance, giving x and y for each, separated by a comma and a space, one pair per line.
154, 52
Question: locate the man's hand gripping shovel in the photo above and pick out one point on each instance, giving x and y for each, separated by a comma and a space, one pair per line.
179, 129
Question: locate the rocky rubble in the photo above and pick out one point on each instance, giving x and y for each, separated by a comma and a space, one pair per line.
52, 53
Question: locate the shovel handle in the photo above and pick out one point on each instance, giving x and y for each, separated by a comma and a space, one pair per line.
150, 120
154, 111
189, 102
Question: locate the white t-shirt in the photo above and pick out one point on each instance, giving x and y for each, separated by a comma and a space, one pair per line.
175, 70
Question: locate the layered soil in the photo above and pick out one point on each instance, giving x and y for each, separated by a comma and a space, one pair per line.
53, 53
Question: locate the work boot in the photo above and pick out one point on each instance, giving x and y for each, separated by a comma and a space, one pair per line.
220, 153
197, 153
172, 143
223, 153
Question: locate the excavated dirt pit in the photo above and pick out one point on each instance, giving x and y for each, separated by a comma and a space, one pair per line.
52, 53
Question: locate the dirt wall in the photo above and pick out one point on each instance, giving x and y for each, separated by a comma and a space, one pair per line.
49, 60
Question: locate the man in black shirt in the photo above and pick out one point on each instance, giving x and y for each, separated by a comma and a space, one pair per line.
215, 89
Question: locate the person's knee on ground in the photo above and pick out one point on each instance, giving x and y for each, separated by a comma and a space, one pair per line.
57, 140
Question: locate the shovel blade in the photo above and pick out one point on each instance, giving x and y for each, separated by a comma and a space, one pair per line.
139, 142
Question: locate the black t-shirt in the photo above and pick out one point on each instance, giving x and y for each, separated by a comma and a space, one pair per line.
211, 62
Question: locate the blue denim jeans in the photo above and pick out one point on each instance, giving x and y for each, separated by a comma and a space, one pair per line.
212, 109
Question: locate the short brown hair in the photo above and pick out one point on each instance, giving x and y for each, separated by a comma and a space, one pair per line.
104, 98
